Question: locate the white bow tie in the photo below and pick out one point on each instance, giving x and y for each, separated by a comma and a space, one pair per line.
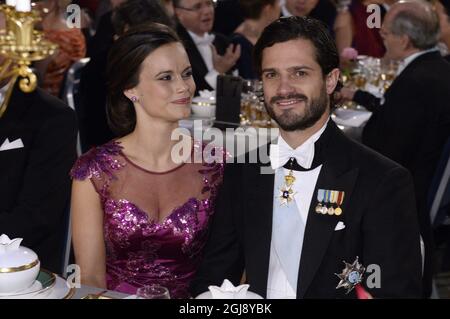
207, 39
280, 155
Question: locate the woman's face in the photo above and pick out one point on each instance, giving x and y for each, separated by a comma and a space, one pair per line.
166, 86
444, 20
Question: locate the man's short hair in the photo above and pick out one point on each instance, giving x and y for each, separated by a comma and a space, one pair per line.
293, 28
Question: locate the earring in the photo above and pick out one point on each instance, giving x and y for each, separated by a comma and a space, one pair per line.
134, 99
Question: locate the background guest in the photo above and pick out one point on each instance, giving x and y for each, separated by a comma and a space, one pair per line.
227, 17
71, 45
411, 123
257, 15
38, 137
339, 22
210, 53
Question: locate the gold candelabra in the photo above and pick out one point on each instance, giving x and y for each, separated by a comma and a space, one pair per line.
20, 45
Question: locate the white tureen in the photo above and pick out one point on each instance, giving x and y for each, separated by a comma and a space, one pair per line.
19, 266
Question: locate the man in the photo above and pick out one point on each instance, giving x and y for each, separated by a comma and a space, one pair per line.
330, 199
210, 54
38, 137
411, 124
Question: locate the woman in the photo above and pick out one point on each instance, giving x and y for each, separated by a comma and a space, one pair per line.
257, 15
71, 44
444, 24
94, 129
138, 216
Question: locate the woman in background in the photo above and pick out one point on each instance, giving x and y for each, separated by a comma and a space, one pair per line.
257, 15
71, 44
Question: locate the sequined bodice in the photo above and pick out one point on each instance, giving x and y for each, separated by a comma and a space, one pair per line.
155, 224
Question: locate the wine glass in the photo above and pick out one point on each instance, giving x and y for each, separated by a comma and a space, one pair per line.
153, 292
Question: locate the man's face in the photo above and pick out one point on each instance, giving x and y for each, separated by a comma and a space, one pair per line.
393, 43
295, 91
301, 8
196, 16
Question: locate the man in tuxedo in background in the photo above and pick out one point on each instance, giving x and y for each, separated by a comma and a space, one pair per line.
329, 200
411, 123
38, 138
210, 54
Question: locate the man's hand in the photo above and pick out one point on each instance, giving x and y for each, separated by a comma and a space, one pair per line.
223, 63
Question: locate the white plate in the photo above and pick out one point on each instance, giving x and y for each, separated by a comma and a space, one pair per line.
58, 289
207, 295
42, 286
33, 289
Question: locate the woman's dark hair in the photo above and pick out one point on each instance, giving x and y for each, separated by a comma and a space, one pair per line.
135, 12
124, 66
293, 28
252, 9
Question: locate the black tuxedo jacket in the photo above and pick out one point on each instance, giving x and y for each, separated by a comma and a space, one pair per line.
413, 124
199, 68
34, 180
412, 127
378, 212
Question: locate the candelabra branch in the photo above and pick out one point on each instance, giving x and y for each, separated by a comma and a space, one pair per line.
21, 44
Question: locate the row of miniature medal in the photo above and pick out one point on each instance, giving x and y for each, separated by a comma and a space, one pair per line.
328, 199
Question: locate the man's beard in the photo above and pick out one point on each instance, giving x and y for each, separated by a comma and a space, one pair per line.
289, 120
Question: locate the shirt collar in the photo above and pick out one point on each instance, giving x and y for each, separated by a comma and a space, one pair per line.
3, 92
304, 153
207, 38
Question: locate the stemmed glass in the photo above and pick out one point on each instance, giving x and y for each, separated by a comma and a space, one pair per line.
153, 292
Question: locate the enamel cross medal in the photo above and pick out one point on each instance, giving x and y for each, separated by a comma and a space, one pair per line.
286, 192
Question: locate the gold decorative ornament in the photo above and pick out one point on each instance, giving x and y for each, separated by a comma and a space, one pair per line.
20, 45
20, 268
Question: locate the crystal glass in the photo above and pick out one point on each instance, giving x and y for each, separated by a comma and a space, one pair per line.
153, 292
253, 111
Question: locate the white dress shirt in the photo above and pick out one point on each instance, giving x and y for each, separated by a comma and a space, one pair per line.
3, 92
278, 286
204, 47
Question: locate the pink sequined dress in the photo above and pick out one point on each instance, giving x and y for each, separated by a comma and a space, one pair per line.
155, 224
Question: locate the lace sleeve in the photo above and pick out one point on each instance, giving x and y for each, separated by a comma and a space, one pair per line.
98, 165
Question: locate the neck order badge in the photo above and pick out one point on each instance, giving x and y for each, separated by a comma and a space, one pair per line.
286, 192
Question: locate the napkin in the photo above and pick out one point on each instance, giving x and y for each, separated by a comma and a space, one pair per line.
228, 291
206, 94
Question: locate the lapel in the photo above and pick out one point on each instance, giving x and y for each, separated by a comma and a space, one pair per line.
195, 57
259, 230
336, 174
19, 104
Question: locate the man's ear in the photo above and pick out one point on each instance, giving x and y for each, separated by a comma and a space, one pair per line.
405, 42
332, 80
